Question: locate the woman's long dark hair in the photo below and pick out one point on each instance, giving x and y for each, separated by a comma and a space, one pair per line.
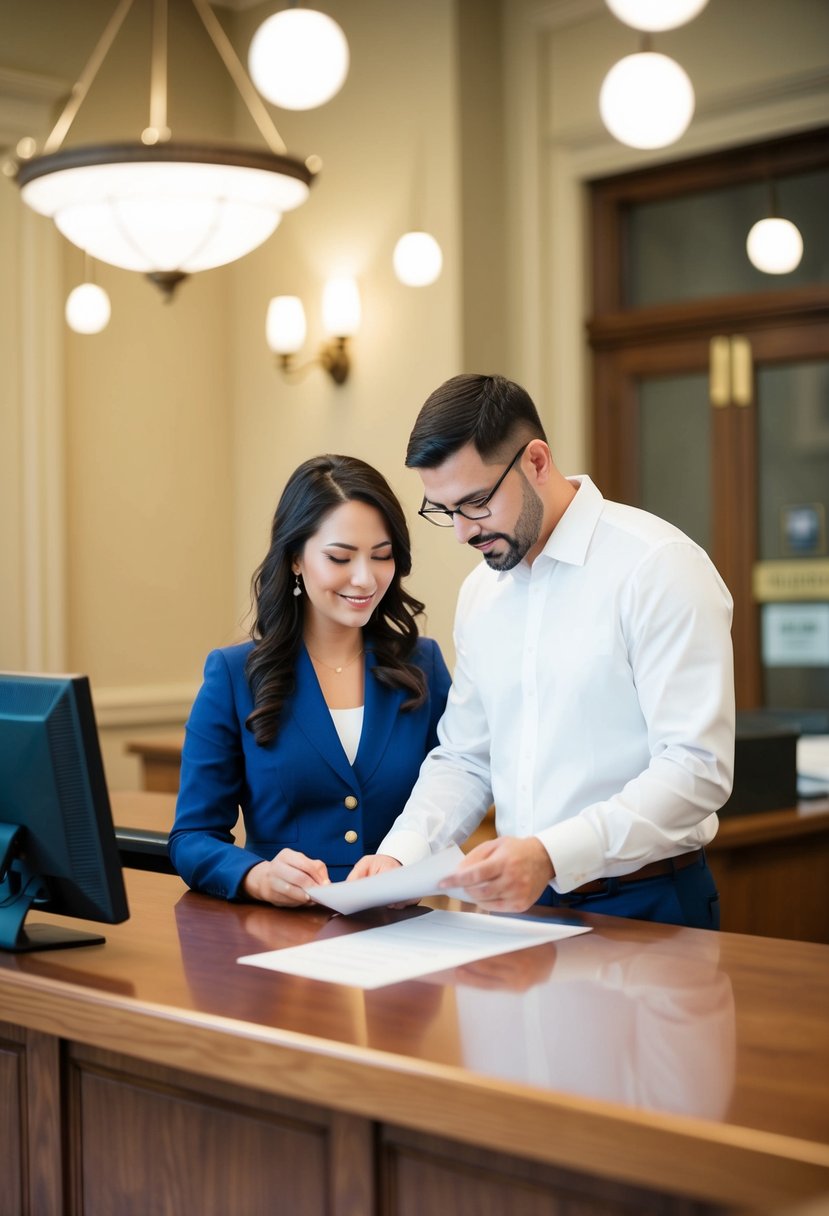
314, 489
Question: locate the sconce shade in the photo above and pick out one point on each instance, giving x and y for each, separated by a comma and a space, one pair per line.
285, 325
170, 207
341, 311
656, 15
417, 259
298, 58
87, 309
775, 246
646, 100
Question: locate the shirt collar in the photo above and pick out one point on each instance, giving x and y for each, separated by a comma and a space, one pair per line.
571, 537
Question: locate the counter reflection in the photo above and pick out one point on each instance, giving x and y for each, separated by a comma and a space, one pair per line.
639, 1024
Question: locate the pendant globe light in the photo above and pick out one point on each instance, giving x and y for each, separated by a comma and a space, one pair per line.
774, 244
646, 100
159, 206
417, 258
298, 58
87, 309
656, 15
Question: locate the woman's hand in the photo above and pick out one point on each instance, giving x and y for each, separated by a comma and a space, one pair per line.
372, 863
282, 881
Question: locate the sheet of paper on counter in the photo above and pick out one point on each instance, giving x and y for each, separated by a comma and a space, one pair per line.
419, 945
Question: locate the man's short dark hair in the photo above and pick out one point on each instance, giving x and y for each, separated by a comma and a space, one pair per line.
488, 411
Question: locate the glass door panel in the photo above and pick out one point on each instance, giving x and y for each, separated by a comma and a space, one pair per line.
675, 453
792, 403
693, 247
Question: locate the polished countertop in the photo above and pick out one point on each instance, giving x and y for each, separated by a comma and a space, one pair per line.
643, 1051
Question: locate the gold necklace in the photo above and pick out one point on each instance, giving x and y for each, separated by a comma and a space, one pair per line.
336, 670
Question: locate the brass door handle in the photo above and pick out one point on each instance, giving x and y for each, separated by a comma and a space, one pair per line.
742, 371
719, 371
730, 371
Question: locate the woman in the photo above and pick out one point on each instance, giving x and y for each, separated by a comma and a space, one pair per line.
317, 727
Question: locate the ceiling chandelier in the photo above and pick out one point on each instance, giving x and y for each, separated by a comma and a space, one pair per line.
158, 206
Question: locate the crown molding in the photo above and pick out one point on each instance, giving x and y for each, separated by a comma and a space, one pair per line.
27, 100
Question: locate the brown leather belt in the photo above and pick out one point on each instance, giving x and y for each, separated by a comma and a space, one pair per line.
654, 869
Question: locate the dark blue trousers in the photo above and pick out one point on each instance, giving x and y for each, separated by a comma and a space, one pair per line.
685, 897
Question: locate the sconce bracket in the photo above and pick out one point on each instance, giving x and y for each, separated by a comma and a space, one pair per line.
333, 357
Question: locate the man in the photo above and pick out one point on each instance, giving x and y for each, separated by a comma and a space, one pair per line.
593, 696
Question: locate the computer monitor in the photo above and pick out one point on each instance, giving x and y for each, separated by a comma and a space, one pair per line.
58, 851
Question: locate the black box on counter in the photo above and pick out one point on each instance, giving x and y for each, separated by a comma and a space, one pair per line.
765, 764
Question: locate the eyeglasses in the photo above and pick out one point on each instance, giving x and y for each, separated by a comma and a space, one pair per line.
476, 509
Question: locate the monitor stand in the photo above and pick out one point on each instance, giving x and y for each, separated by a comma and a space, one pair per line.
20, 886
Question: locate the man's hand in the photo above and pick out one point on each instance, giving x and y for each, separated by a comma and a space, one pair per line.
282, 881
505, 875
373, 863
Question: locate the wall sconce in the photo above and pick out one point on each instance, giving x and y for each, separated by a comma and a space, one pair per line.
285, 329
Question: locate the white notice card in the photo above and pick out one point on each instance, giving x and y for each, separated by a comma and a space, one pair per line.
389, 954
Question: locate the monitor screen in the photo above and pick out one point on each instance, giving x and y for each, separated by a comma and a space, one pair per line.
58, 851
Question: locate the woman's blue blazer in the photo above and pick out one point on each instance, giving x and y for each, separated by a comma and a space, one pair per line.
298, 791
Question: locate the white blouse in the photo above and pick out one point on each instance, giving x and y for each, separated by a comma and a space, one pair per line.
349, 726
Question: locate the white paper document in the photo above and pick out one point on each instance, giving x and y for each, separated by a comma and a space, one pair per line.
393, 886
410, 948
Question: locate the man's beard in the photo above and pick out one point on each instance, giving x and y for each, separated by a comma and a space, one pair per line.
527, 532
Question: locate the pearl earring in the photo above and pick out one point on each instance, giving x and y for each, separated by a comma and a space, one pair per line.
297, 588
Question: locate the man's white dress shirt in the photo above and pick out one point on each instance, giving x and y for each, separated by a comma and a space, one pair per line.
592, 700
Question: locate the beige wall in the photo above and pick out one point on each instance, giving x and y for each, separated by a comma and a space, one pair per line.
12, 630
395, 116
166, 439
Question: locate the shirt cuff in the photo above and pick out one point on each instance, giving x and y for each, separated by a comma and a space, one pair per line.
405, 847
575, 852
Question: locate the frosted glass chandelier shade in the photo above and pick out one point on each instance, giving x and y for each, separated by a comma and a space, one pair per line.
417, 259
285, 326
654, 15
87, 309
646, 100
175, 208
298, 58
775, 246
341, 310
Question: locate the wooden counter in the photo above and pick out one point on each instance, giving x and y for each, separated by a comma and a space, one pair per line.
638, 1068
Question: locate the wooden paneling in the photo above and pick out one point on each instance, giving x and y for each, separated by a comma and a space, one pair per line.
772, 872
30, 1123
13, 1136
149, 1140
418, 1175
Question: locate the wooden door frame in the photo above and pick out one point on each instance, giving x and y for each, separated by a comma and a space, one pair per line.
629, 344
